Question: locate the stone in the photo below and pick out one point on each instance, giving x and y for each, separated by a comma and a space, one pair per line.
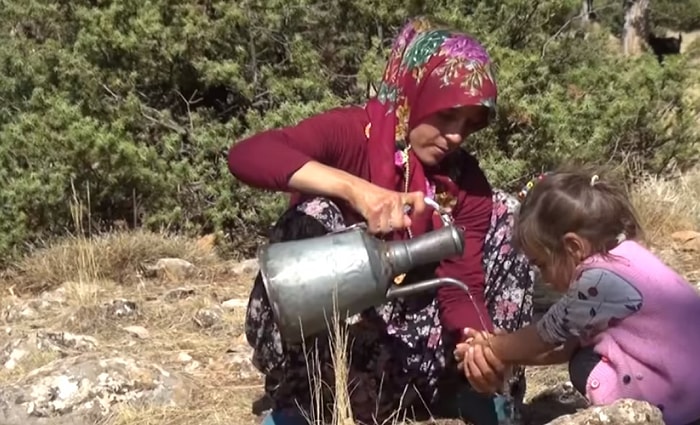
622, 412
688, 240
206, 318
179, 294
553, 402
57, 296
234, 304
120, 308
249, 266
192, 366
184, 357
63, 343
238, 361
83, 389
27, 313
16, 309
137, 331
14, 357
174, 268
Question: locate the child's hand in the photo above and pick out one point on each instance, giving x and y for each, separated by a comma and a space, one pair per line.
479, 369
460, 352
473, 337
481, 366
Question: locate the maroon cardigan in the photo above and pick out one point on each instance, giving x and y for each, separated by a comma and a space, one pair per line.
337, 138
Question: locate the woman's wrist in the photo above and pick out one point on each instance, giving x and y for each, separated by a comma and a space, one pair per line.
348, 188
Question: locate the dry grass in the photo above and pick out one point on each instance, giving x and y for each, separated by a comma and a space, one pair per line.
116, 257
94, 271
668, 206
342, 410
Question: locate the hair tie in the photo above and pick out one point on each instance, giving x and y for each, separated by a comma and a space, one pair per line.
594, 179
525, 190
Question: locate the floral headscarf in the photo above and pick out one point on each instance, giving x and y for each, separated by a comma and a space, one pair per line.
429, 69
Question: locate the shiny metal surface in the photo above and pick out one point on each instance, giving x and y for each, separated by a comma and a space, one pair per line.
311, 281
396, 291
430, 247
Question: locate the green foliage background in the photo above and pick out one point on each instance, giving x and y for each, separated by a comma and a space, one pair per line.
135, 102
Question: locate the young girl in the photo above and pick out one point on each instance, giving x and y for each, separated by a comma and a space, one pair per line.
627, 323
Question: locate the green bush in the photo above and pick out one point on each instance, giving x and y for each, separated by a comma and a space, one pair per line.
137, 102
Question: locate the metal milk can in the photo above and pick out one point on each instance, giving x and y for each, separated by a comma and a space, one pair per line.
311, 281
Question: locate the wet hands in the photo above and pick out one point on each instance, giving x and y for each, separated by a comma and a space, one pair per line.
384, 209
477, 360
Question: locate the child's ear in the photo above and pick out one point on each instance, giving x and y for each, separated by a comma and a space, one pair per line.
575, 246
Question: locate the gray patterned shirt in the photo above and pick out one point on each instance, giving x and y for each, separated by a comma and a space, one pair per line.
597, 300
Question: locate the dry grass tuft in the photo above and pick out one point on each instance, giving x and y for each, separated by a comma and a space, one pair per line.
116, 257
341, 408
667, 206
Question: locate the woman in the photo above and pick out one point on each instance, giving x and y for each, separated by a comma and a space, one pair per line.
366, 163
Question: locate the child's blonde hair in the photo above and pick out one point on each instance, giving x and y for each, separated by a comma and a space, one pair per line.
584, 200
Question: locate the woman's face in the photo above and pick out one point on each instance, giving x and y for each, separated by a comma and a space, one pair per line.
441, 133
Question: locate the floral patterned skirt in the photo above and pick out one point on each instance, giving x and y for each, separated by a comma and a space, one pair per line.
396, 353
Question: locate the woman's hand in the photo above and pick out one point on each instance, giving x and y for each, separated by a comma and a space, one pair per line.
482, 368
384, 209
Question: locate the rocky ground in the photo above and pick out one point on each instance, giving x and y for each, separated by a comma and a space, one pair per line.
142, 329
168, 349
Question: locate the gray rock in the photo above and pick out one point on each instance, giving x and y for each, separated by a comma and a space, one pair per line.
170, 267
80, 390
207, 318
238, 361
249, 266
562, 405
138, 331
120, 309
63, 343
622, 412
178, 294
235, 304
14, 312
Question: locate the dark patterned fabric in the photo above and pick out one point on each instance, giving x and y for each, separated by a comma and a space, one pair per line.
397, 351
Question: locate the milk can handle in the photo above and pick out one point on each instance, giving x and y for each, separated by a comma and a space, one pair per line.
357, 226
444, 216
